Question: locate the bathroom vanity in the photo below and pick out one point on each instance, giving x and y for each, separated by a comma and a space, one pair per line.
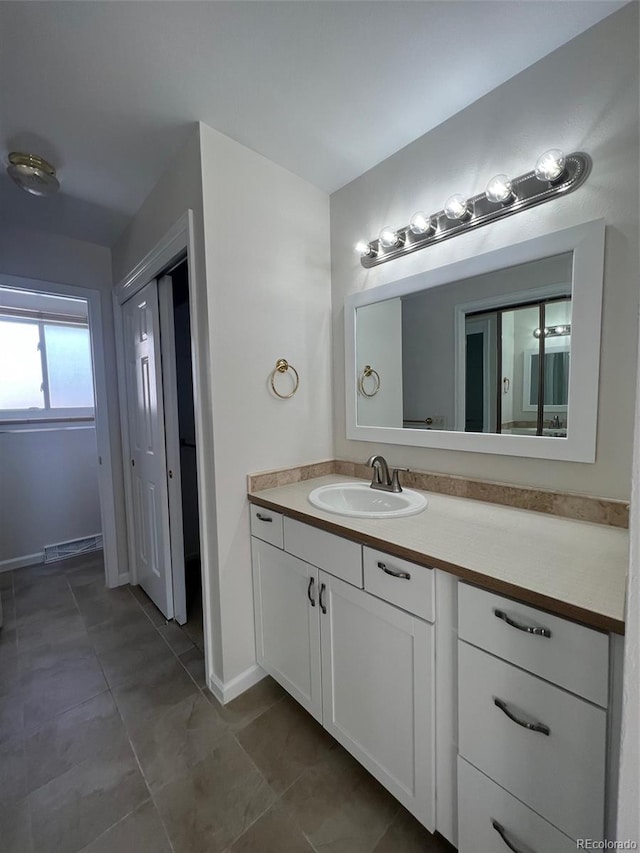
468, 656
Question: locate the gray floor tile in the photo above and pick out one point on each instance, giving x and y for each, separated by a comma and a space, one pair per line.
139, 832
6, 580
274, 832
154, 615
193, 661
177, 740
253, 702
175, 637
49, 629
44, 596
159, 687
75, 808
339, 806
284, 742
407, 835
123, 664
11, 714
86, 574
211, 805
13, 772
87, 731
15, 828
58, 687
98, 604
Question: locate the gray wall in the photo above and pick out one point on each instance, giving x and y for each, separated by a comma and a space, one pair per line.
57, 499
567, 100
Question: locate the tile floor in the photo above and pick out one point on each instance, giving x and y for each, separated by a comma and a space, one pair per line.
109, 742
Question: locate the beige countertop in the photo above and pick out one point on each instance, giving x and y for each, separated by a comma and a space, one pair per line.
573, 568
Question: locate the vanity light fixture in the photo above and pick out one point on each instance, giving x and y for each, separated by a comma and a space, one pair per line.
500, 190
553, 331
389, 238
422, 223
554, 174
363, 248
457, 208
550, 165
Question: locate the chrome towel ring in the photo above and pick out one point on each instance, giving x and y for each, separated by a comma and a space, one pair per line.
282, 366
369, 371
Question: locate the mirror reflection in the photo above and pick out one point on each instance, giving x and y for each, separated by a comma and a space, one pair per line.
486, 354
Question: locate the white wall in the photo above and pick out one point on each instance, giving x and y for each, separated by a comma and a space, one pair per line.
566, 100
48, 490
43, 259
268, 287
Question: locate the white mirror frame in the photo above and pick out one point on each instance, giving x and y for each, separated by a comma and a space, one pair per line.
586, 241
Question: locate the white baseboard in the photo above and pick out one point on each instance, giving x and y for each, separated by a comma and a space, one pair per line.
225, 691
19, 562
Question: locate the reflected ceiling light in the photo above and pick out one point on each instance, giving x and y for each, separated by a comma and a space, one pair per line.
550, 165
389, 238
422, 223
500, 190
554, 175
457, 208
33, 174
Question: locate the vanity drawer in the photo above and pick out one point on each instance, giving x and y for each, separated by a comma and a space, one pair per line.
404, 584
337, 556
484, 808
267, 525
573, 656
560, 775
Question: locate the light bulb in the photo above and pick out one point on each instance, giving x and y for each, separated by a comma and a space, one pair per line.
389, 238
500, 190
550, 165
456, 207
421, 223
363, 248
536, 333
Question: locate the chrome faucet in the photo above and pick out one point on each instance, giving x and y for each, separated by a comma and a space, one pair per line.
381, 479
555, 423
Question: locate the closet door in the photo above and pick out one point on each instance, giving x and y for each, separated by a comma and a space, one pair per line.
149, 527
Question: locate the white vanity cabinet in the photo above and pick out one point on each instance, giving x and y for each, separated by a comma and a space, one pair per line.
533, 695
362, 666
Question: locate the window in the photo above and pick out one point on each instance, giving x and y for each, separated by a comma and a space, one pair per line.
45, 369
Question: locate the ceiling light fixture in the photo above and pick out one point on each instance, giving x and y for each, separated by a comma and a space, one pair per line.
33, 174
553, 331
554, 174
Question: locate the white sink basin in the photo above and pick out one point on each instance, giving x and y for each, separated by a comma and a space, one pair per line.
360, 501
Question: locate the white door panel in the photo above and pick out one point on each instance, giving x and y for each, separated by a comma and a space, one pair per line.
147, 440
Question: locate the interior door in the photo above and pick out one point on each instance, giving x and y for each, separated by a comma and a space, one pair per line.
172, 444
150, 530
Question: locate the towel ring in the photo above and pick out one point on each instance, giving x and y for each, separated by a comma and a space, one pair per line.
369, 371
282, 365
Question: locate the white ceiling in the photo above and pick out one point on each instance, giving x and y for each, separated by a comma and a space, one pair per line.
109, 90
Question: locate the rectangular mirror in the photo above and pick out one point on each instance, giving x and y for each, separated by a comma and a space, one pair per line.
498, 353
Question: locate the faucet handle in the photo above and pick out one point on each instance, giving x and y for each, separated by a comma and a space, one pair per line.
395, 482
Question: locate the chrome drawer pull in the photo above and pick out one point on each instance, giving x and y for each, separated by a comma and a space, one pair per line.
394, 573
528, 629
534, 727
310, 592
263, 517
503, 835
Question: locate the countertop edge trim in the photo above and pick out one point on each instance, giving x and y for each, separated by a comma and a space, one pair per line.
552, 605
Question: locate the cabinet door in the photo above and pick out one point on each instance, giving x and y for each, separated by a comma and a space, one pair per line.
285, 593
378, 698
